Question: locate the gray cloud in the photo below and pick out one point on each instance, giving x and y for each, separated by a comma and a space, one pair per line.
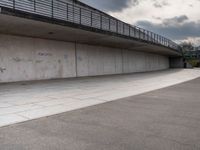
110, 5
157, 5
175, 20
160, 4
177, 28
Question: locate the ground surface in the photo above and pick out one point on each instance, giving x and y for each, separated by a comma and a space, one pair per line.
165, 119
30, 100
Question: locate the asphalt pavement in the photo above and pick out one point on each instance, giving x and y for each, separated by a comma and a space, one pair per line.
165, 119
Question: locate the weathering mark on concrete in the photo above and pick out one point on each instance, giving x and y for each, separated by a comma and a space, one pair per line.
38, 61
17, 59
80, 58
2, 70
44, 54
66, 56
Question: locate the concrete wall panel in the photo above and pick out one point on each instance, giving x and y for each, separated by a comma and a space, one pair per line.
24, 58
118, 61
97, 60
82, 60
134, 61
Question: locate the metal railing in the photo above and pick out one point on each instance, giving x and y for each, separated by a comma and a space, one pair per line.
78, 14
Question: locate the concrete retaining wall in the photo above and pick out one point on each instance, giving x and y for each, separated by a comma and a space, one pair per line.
96, 60
23, 58
35, 59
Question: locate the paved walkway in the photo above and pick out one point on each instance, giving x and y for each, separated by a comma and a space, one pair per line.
31, 100
165, 119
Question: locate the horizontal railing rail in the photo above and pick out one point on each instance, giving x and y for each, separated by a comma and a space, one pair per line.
64, 11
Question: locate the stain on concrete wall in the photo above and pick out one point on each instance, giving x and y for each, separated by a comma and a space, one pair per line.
16, 59
2, 70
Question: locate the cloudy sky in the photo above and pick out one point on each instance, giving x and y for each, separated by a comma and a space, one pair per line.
176, 19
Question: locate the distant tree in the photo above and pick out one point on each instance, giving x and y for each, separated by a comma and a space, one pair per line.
187, 46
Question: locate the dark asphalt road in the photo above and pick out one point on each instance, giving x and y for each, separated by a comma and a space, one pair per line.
166, 119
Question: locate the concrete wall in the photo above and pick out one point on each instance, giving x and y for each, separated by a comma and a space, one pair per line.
140, 62
35, 59
23, 58
96, 60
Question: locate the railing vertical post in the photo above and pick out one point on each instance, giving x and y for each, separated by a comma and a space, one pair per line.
157, 38
139, 32
153, 38
160, 40
67, 11
80, 16
123, 29
91, 19
52, 9
144, 34
129, 30
34, 5
117, 26
100, 21
164, 41
109, 23
73, 12
13, 4
150, 36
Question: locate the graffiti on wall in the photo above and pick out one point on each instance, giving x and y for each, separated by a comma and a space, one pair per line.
44, 54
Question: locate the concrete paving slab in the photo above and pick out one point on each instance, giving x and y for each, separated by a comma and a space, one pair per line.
164, 119
32, 100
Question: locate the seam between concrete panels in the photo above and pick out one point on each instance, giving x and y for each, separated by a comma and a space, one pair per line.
76, 65
122, 60
88, 61
115, 61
